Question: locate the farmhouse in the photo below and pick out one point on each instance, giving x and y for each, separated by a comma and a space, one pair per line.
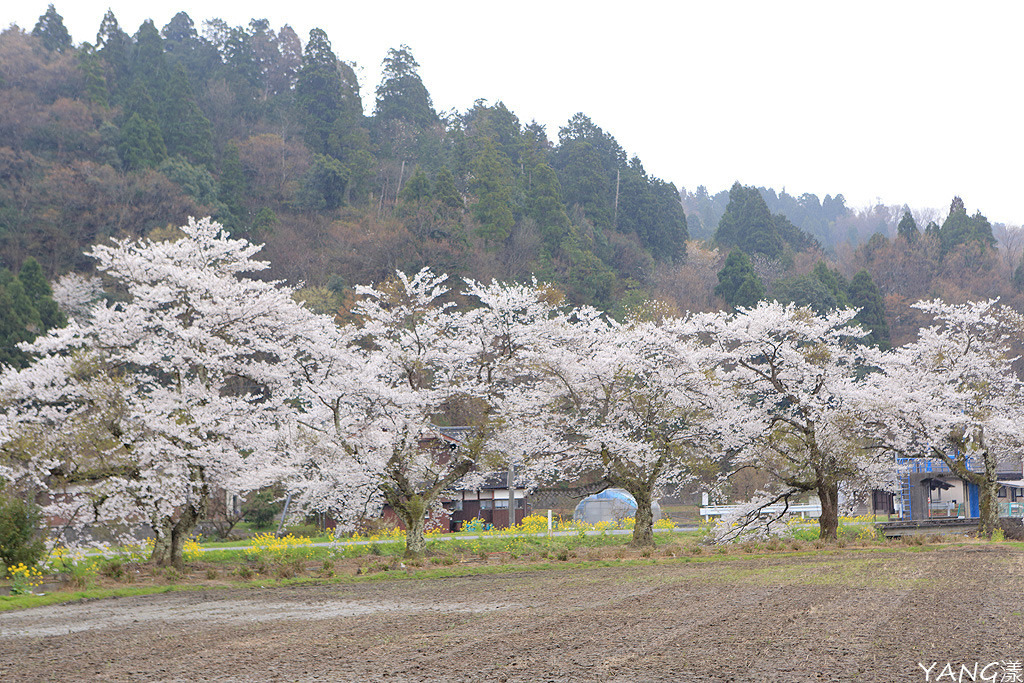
487, 499
488, 502
928, 490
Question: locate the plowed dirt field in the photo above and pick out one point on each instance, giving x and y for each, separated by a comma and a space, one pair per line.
841, 615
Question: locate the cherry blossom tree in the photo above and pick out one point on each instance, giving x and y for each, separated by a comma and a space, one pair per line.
952, 395
77, 294
794, 376
370, 408
632, 403
135, 414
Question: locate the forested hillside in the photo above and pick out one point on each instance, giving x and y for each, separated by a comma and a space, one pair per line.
267, 132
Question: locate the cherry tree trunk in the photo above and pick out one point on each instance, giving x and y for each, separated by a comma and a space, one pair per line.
162, 543
988, 499
828, 522
413, 512
169, 547
643, 523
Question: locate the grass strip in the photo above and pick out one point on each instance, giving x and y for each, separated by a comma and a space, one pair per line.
17, 602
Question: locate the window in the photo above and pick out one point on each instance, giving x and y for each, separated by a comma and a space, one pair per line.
501, 503
486, 504
1002, 492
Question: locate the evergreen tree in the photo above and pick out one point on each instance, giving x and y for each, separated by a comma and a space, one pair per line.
833, 281
184, 46
322, 96
796, 238
544, 201
401, 93
51, 31
865, 295
806, 290
285, 71
350, 143
907, 228
417, 188
178, 33
33, 280
738, 284
114, 47
196, 182
324, 185
492, 185
27, 309
446, 192
1018, 277
263, 222
667, 232
589, 279
535, 148
633, 212
21, 304
186, 131
96, 89
138, 100
232, 186
141, 145
40, 294
748, 224
587, 160
496, 123
959, 228
13, 331
147, 62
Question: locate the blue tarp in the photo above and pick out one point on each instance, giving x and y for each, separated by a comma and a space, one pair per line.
611, 505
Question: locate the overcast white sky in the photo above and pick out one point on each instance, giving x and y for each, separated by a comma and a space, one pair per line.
903, 102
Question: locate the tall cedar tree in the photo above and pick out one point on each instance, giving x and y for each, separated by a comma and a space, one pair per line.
186, 130
51, 30
141, 144
959, 228
747, 223
492, 185
114, 47
544, 202
318, 91
401, 93
27, 309
231, 187
865, 295
907, 228
738, 284
40, 294
446, 192
148, 64
833, 281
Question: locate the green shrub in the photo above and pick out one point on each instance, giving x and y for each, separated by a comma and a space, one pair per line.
262, 508
806, 533
114, 568
20, 541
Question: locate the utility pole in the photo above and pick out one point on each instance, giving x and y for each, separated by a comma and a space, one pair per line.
511, 495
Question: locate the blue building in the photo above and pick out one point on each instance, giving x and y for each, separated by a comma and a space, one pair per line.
929, 489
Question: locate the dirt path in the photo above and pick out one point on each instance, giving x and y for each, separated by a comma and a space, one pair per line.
847, 616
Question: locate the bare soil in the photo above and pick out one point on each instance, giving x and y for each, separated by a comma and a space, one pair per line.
846, 615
